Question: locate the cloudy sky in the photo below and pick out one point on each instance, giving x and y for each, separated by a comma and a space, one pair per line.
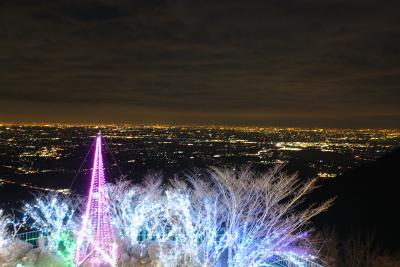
330, 63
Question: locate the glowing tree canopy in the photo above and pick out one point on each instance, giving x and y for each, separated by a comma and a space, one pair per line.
96, 241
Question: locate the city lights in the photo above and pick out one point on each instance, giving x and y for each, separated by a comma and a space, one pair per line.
230, 217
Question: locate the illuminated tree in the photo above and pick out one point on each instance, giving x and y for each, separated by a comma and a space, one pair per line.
239, 218
51, 214
95, 240
67, 247
261, 217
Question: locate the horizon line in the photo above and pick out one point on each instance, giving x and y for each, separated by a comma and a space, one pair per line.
166, 125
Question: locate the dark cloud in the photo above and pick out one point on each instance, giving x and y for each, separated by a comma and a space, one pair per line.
307, 63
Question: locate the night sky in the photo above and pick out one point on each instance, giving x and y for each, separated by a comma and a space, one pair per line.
311, 63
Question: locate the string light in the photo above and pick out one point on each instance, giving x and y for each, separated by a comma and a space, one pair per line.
232, 220
96, 237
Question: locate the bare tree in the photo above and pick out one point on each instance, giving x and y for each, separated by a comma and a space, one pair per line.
52, 214
261, 216
241, 218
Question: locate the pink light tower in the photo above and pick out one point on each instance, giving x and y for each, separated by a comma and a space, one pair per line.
96, 240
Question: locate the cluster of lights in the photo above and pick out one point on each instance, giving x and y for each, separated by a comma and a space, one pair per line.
96, 238
51, 215
66, 247
189, 230
201, 224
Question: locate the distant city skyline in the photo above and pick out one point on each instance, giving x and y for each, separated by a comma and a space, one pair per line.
183, 125
33, 156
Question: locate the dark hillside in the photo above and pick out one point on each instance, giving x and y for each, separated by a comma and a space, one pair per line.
368, 201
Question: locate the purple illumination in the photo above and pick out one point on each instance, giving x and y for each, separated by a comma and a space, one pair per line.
96, 243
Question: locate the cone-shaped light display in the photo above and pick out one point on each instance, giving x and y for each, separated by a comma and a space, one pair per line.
96, 241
